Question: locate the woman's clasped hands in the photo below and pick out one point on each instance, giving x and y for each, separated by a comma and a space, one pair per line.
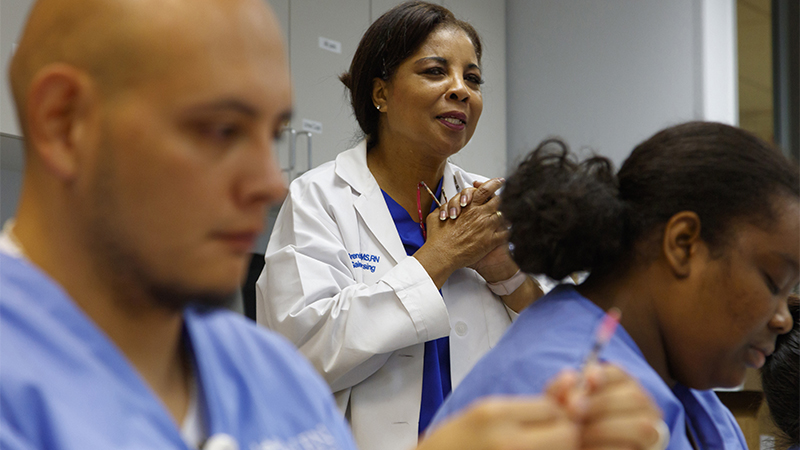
469, 231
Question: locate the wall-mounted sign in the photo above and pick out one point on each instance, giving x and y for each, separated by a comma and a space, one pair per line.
312, 126
330, 45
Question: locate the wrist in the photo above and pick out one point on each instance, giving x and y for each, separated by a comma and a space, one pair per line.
509, 285
498, 274
435, 263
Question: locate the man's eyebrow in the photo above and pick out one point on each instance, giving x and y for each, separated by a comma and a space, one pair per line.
227, 104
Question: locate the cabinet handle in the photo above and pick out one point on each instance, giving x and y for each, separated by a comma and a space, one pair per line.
293, 152
307, 134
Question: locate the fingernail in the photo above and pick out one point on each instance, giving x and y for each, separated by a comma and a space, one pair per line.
463, 201
502, 180
453, 213
442, 215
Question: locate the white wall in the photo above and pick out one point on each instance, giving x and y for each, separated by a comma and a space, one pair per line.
11, 166
608, 74
10, 184
13, 14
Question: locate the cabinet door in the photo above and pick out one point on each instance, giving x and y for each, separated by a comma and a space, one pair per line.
13, 15
323, 37
281, 10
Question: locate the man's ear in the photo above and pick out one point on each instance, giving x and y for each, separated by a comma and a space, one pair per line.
57, 115
379, 93
680, 242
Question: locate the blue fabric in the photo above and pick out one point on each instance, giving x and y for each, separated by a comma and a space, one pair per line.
65, 385
557, 332
436, 366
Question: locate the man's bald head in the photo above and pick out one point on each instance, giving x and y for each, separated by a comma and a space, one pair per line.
120, 42
149, 125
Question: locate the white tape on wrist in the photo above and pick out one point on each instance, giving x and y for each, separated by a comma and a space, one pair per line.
508, 286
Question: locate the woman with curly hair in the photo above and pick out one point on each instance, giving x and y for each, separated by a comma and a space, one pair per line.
696, 240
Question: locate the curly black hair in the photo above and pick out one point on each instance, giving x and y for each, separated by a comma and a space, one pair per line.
568, 215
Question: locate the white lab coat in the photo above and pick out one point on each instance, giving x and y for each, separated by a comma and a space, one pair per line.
338, 283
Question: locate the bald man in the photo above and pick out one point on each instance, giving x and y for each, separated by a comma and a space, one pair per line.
149, 128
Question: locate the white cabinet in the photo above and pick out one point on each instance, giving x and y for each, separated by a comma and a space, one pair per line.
13, 14
12, 18
323, 36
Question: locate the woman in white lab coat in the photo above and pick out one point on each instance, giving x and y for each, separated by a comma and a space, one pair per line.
391, 313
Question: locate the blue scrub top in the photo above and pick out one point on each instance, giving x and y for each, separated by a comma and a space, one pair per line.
556, 332
436, 368
65, 385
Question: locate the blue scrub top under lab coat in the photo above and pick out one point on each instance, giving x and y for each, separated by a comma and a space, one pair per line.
436, 364
557, 332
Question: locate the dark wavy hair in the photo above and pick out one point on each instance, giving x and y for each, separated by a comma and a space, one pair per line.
568, 215
780, 379
395, 36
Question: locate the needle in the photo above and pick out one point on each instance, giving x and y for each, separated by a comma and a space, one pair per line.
603, 334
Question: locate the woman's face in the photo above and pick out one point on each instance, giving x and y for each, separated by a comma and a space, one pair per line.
735, 305
433, 100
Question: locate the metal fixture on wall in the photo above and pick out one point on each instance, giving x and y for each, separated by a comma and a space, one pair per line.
290, 171
307, 134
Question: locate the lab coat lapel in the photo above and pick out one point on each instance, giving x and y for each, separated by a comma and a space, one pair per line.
351, 166
456, 180
373, 210
450, 185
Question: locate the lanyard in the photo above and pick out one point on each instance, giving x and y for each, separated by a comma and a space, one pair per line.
422, 184
419, 211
